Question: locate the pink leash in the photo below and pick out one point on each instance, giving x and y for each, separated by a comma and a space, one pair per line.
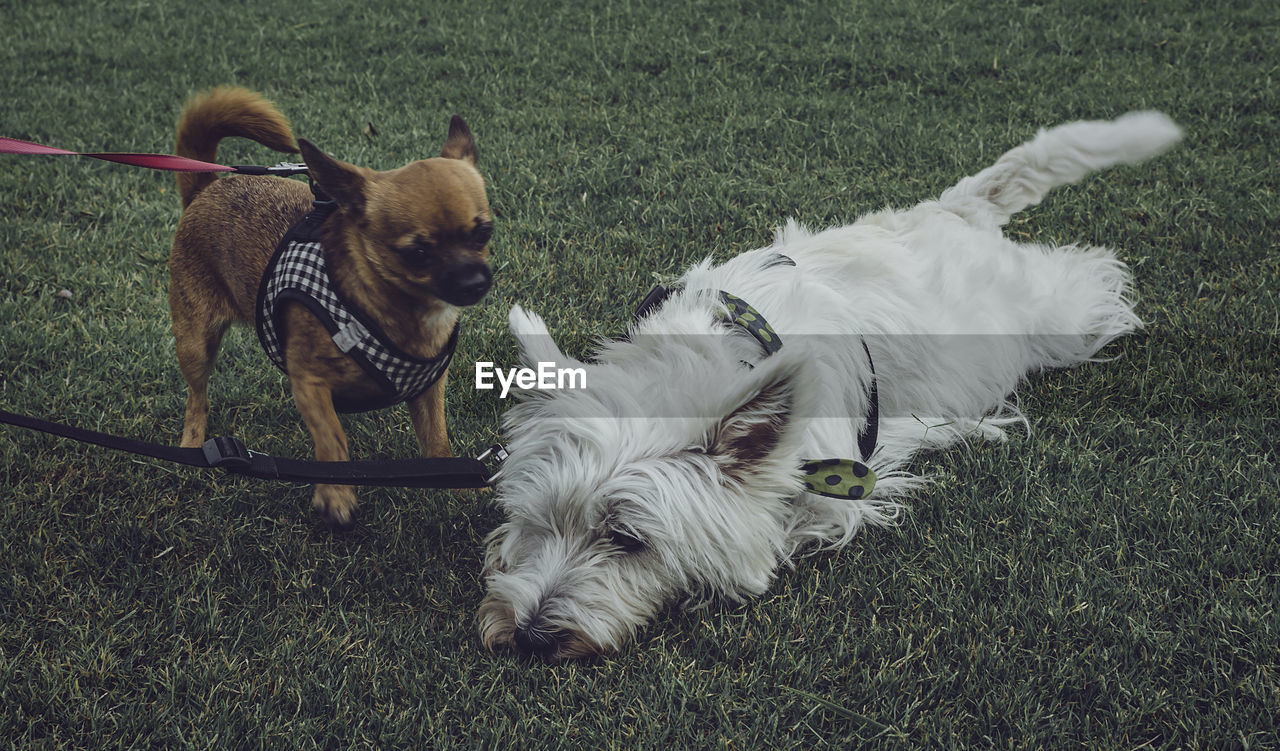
150, 161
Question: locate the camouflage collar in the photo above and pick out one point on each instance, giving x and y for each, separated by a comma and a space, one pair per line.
834, 478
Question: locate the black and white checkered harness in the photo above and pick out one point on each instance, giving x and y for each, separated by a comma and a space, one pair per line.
297, 273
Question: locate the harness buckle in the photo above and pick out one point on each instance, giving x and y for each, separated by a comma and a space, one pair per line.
226, 452
350, 336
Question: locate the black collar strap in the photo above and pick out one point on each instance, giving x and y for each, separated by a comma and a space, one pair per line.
835, 478
231, 455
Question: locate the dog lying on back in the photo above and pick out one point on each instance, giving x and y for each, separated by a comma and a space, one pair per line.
728, 429
362, 303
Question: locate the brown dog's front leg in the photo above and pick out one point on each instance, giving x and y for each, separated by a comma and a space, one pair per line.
427, 411
315, 402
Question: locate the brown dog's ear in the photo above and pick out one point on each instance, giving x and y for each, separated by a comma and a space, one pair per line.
342, 182
460, 144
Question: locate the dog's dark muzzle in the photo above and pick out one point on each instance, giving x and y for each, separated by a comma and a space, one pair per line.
538, 642
465, 285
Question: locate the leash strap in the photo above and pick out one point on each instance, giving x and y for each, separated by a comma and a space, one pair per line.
167, 162
231, 455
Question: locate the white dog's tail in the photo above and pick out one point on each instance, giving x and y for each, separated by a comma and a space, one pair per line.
1058, 156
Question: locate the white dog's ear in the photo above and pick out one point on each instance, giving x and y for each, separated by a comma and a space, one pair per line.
536, 344
746, 439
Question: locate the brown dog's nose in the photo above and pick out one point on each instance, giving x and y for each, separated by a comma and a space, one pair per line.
466, 285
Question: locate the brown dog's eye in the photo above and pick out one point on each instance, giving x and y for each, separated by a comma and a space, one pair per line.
480, 235
416, 254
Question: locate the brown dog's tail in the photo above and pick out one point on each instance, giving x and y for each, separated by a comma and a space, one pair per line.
220, 113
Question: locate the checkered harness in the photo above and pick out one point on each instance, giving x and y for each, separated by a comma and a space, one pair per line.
297, 273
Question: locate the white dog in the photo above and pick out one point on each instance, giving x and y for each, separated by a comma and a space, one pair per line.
677, 472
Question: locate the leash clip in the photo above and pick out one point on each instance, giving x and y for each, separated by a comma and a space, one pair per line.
283, 168
498, 453
226, 452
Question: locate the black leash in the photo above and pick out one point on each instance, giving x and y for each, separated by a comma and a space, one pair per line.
283, 169
231, 455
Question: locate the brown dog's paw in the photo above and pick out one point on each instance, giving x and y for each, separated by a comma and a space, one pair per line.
337, 504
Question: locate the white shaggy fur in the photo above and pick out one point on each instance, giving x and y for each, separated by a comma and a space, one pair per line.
675, 473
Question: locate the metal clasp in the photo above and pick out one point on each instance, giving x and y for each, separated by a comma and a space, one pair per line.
283, 168
498, 453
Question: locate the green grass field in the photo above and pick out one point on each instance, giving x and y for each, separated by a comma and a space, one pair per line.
1110, 581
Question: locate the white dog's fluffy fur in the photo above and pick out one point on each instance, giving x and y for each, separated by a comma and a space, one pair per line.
675, 473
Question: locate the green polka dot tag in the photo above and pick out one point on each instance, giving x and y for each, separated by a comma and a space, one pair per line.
750, 319
838, 478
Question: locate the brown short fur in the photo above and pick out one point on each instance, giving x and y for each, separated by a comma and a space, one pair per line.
434, 208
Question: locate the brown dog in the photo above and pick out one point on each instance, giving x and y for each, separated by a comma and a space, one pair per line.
403, 249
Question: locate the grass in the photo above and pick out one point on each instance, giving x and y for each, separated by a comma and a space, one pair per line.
1109, 581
